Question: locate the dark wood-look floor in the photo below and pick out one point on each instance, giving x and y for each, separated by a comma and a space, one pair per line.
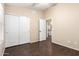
44, 48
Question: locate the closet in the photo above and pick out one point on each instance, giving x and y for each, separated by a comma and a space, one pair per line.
17, 30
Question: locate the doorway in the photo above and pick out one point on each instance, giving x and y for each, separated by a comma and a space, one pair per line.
49, 28
42, 29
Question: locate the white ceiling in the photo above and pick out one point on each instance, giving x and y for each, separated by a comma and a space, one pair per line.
37, 6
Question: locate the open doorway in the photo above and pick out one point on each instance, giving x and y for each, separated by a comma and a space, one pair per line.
49, 28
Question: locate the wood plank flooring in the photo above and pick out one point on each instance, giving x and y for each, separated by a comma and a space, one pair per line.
43, 48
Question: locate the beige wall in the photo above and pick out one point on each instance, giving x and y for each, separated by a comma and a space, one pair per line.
33, 14
1, 29
65, 23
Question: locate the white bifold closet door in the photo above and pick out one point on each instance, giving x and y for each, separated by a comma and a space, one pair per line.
42, 32
24, 30
17, 30
11, 30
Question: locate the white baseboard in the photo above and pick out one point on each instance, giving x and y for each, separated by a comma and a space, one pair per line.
65, 46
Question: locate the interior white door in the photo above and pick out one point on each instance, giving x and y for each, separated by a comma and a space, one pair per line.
24, 34
42, 31
11, 30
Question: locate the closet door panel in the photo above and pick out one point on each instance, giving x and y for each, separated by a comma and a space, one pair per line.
11, 30
24, 30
